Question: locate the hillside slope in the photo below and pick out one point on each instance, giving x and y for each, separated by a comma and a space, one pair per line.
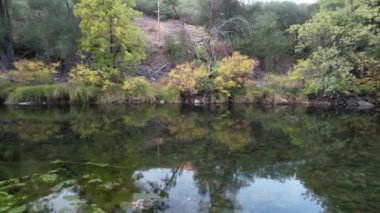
156, 63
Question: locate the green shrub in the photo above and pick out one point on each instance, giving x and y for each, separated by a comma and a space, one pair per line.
233, 72
267, 42
81, 74
6, 88
112, 94
55, 93
254, 94
290, 85
169, 94
84, 94
138, 89
176, 49
329, 74
218, 98
189, 79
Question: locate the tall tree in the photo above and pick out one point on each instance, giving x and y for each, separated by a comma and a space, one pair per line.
266, 42
49, 30
109, 37
6, 48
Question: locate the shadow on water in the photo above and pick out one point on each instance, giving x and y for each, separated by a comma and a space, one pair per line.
189, 159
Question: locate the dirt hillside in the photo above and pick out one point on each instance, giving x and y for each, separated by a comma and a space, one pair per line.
156, 64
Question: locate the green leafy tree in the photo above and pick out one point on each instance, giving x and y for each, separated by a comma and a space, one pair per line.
49, 30
266, 42
351, 29
329, 74
108, 35
233, 72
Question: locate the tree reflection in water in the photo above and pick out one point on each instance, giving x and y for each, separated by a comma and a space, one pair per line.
214, 159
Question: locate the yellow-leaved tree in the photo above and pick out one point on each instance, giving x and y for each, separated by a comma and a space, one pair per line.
233, 72
109, 36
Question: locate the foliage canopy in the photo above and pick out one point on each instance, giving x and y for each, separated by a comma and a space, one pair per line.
108, 35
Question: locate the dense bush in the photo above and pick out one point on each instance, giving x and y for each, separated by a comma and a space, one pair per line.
81, 74
27, 72
113, 93
267, 43
324, 75
329, 74
177, 49
188, 79
169, 94
233, 72
84, 94
139, 89
341, 43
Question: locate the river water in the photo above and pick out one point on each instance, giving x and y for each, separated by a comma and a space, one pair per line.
189, 159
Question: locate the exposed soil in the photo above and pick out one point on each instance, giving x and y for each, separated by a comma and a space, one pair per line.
156, 59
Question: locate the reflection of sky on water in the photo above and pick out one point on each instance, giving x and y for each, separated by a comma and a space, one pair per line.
183, 195
266, 195
62, 201
261, 195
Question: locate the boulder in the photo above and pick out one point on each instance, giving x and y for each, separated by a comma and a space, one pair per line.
280, 100
351, 103
364, 105
283, 101
358, 103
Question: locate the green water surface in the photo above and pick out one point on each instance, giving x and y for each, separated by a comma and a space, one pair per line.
181, 159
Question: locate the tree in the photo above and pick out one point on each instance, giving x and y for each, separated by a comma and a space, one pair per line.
50, 31
351, 29
6, 47
109, 37
266, 42
233, 72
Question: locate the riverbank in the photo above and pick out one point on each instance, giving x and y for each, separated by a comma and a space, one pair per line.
65, 94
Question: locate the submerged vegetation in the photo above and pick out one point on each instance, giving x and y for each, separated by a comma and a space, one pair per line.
275, 52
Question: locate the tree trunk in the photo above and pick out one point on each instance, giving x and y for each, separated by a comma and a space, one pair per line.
6, 48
